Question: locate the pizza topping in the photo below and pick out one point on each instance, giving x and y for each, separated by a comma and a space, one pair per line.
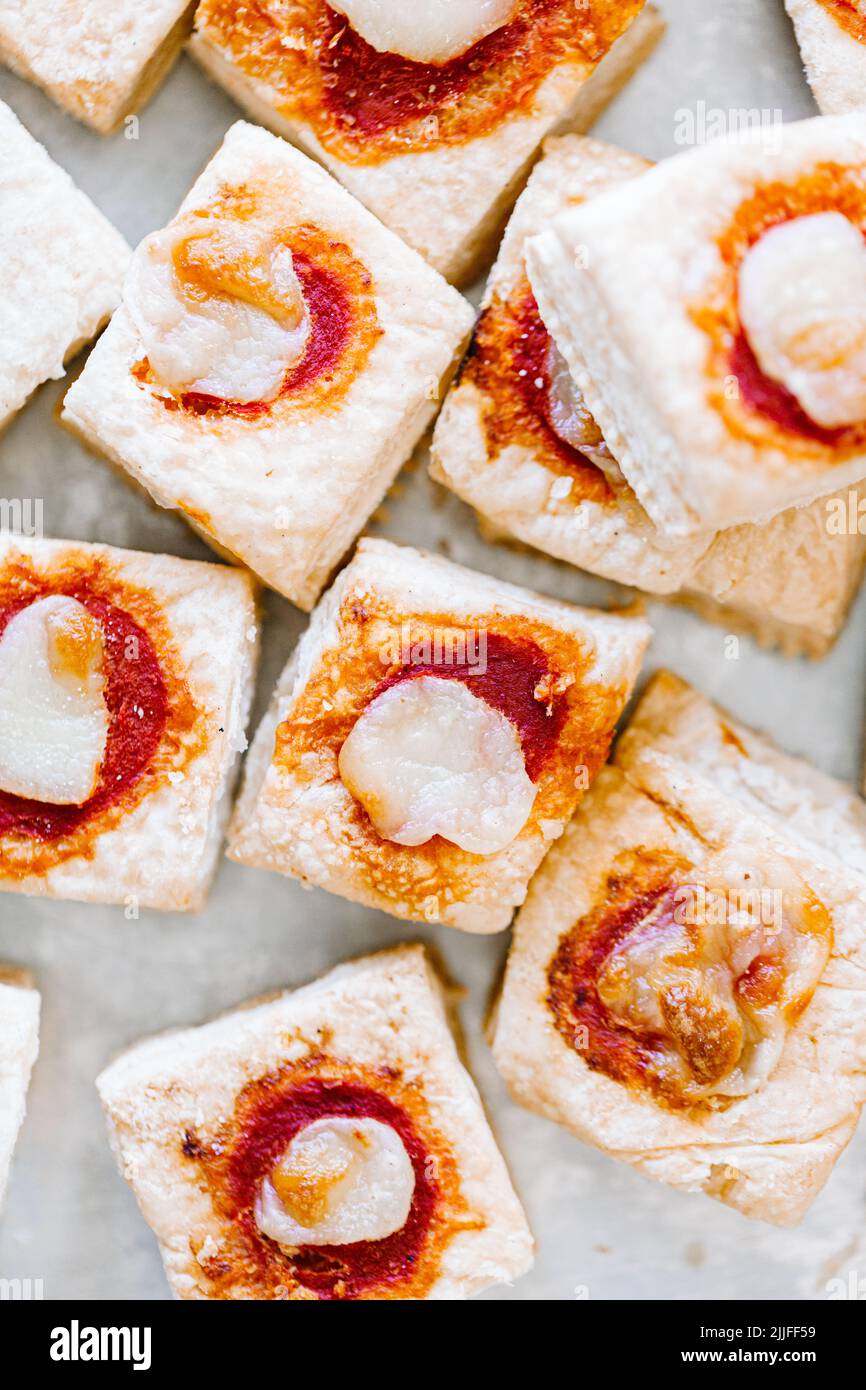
219, 307
366, 102
53, 716
434, 32
802, 297
429, 757
340, 1180
690, 987
569, 418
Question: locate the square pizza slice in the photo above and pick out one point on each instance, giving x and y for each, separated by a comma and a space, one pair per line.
431, 737
325, 1144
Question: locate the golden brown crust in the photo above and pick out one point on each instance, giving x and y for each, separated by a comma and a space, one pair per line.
507, 365
852, 20
308, 742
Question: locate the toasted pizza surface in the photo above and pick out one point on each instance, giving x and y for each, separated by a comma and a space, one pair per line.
367, 102
685, 986
431, 737
116, 741
434, 122
277, 355
325, 1145
517, 441
749, 404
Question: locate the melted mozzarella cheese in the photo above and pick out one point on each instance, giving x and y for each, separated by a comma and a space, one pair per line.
219, 309
427, 757
340, 1180
802, 292
721, 970
570, 418
53, 716
433, 32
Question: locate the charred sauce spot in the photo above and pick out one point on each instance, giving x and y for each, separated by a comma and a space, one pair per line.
152, 716
268, 1115
365, 106
760, 409
509, 366
510, 684
339, 294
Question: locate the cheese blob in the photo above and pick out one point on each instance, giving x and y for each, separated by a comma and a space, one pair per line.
433, 32
340, 1180
219, 308
53, 716
719, 971
428, 757
802, 292
569, 416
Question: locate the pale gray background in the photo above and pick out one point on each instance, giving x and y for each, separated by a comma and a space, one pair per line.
602, 1230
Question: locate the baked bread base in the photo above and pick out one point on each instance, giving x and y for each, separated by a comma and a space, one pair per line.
385, 1010
286, 496
450, 204
835, 62
164, 852
306, 831
769, 1154
61, 267
100, 62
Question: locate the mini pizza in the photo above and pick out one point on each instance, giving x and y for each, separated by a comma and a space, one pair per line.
276, 358
431, 737
431, 115
832, 39
19, 1044
101, 60
750, 251
125, 683
61, 268
516, 441
326, 1144
686, 985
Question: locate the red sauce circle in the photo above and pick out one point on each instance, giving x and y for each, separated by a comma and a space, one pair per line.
514, 669
372, 93
773, 400
581, 1016
330, 313
331, 1271
532, 379
138, 705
